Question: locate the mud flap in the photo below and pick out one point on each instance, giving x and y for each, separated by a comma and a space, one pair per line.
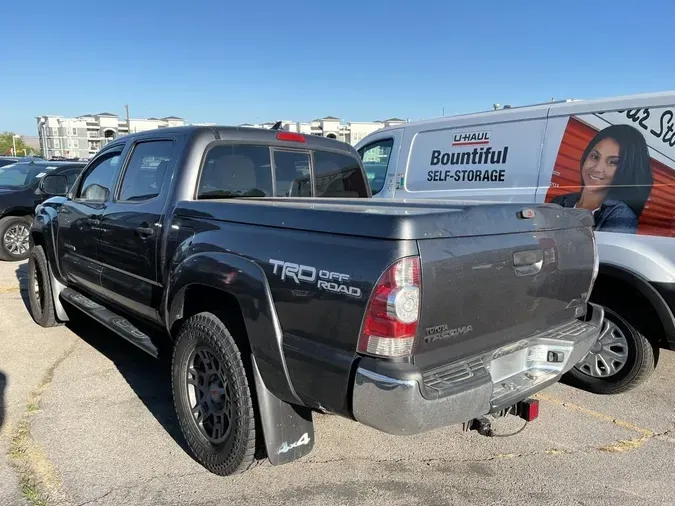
57, 288
288, 429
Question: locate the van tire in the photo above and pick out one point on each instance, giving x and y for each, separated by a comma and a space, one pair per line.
225, 389
640, 360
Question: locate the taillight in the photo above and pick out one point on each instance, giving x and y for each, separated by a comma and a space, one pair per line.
392, 316
290, 136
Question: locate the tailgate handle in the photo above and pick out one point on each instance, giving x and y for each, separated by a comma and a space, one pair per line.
528, 262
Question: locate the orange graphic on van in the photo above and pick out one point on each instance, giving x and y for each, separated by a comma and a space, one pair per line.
610, 172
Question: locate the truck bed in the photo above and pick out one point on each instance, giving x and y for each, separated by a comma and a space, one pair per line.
404, 219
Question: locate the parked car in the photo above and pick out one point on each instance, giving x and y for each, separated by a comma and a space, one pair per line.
7, 160
614, 157
19, 194
281, 287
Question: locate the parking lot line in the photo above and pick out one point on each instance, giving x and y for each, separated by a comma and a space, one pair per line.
621, 445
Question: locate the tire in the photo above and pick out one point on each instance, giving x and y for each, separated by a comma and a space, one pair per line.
14, 238
205, 345
640, 359
40, 297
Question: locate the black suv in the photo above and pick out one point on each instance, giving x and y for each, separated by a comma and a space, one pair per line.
19, 194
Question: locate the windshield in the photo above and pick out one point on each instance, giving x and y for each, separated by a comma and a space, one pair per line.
21, 175
376, 160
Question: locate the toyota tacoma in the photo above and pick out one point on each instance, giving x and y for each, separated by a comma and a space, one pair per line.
281, 288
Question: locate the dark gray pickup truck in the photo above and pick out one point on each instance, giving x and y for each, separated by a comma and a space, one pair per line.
283, 289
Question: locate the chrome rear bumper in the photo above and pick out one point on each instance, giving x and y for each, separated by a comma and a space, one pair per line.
473, 387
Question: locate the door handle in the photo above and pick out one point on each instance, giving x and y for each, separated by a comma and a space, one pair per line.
528, 262
90, 224
144, 230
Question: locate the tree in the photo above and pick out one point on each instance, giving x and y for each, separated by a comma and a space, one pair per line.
6, 145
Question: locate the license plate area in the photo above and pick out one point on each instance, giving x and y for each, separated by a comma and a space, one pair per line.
507, 365
523, 365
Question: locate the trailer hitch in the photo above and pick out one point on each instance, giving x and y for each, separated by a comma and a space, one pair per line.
527, 409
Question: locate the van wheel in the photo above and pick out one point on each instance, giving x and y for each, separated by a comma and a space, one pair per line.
14, 238
621, 359
212, 396
40, 298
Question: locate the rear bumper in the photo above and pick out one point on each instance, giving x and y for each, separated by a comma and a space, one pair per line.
410, 402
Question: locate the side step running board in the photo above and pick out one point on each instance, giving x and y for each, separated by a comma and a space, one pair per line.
113, 321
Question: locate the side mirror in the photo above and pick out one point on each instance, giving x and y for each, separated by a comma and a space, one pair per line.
54, 185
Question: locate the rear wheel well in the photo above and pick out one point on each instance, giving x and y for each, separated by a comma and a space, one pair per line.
200, 298
625, 298
203, 298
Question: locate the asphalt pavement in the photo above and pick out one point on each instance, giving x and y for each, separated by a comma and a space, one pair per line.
87, 418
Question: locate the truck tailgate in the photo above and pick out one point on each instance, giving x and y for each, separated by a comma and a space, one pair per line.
483, 292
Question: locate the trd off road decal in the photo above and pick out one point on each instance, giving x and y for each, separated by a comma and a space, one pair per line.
329, 281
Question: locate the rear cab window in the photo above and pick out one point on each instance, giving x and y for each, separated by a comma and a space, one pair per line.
236, 171
375, 158
292, 173
248, 170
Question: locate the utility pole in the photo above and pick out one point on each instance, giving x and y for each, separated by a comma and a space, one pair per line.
128, 120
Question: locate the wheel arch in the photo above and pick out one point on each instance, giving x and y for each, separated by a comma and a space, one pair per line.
18, 212
225, 282
42, 234
237, 288
614, 279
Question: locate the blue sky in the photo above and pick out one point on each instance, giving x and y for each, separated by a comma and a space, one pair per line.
244, 61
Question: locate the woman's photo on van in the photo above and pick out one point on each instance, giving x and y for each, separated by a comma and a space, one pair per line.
616, 179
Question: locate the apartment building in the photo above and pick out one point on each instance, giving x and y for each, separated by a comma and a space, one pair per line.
83, 136
330, 126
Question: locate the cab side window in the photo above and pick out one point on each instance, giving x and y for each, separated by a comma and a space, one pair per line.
71, 176
338, 175
144, 176
97, 183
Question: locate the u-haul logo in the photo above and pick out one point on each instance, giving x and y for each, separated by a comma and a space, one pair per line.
471, 138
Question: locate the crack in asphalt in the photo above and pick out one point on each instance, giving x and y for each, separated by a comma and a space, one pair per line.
595, 414
618, 446
402, 460
140, 484
444, 460
37, 476
623, 445
626, 445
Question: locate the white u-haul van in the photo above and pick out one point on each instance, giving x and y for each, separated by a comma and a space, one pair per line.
614, 157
